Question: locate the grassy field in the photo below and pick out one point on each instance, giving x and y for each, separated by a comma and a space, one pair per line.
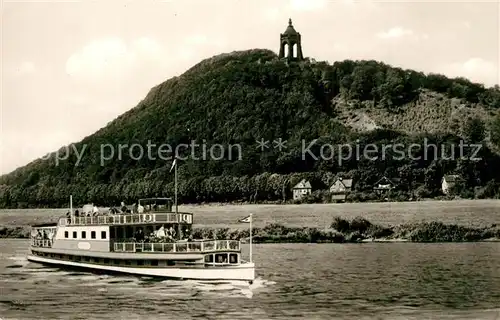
477, 213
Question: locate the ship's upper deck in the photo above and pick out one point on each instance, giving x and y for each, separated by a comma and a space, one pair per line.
128, 219
148, 211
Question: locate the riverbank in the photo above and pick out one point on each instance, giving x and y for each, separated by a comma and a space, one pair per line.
283, 202
340, 231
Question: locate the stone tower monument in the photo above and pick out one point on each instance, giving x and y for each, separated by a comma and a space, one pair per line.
288, 40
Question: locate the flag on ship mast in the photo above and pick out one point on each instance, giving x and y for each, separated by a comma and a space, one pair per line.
173, 164
245, 220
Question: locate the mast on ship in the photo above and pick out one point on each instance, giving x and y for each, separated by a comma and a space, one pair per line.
175, 183
71, 208
251, 218
174, 166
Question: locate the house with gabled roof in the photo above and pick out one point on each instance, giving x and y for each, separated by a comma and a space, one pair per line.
384, 186
301, 189
340, 188
449, 181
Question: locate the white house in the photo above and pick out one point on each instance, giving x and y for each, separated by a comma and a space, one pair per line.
340, 188
449, 182
301, 189
384, 186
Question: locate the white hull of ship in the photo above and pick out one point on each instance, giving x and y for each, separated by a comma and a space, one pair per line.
242, 272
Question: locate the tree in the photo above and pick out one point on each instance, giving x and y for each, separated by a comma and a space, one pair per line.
495, 130
474, 130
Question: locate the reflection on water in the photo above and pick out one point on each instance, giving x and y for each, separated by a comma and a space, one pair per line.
308, 281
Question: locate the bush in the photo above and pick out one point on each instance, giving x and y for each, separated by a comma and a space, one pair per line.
340, 225
359, 224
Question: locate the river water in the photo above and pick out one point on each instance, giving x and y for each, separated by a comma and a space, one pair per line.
301, 281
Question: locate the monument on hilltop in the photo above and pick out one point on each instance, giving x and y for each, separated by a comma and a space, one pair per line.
290, 44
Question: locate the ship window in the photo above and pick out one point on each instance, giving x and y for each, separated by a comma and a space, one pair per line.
66, 234
84, 234
221, 258
74, 234
209, 258
116, 261
92, 234
233, 258
106, 261
170, 263
127, 262
78, 258
86, 258
140, 262
103, 234
154, 262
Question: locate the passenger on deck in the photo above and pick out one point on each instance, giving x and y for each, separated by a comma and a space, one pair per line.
140, 209
77, 213
123, 207
95, 210
139, 235
171, 233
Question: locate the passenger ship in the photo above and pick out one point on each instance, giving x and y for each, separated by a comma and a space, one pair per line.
152, 243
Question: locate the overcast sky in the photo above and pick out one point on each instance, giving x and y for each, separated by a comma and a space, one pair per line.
68, 68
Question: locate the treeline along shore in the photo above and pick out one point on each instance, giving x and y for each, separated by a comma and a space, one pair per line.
340, 231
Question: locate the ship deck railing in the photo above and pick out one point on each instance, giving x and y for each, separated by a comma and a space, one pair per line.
41, 243
126, 219
188, 246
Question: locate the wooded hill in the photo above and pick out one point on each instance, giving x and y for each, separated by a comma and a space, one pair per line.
241, 97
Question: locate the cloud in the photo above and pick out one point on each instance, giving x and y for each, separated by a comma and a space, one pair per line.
273, 14
98, 57
146, 47
395, 32
308, 5
199, 46
196, 39
27, 147
111, 57
24, 68
475, 69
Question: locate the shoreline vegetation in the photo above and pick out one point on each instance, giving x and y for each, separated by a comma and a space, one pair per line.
341, 230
